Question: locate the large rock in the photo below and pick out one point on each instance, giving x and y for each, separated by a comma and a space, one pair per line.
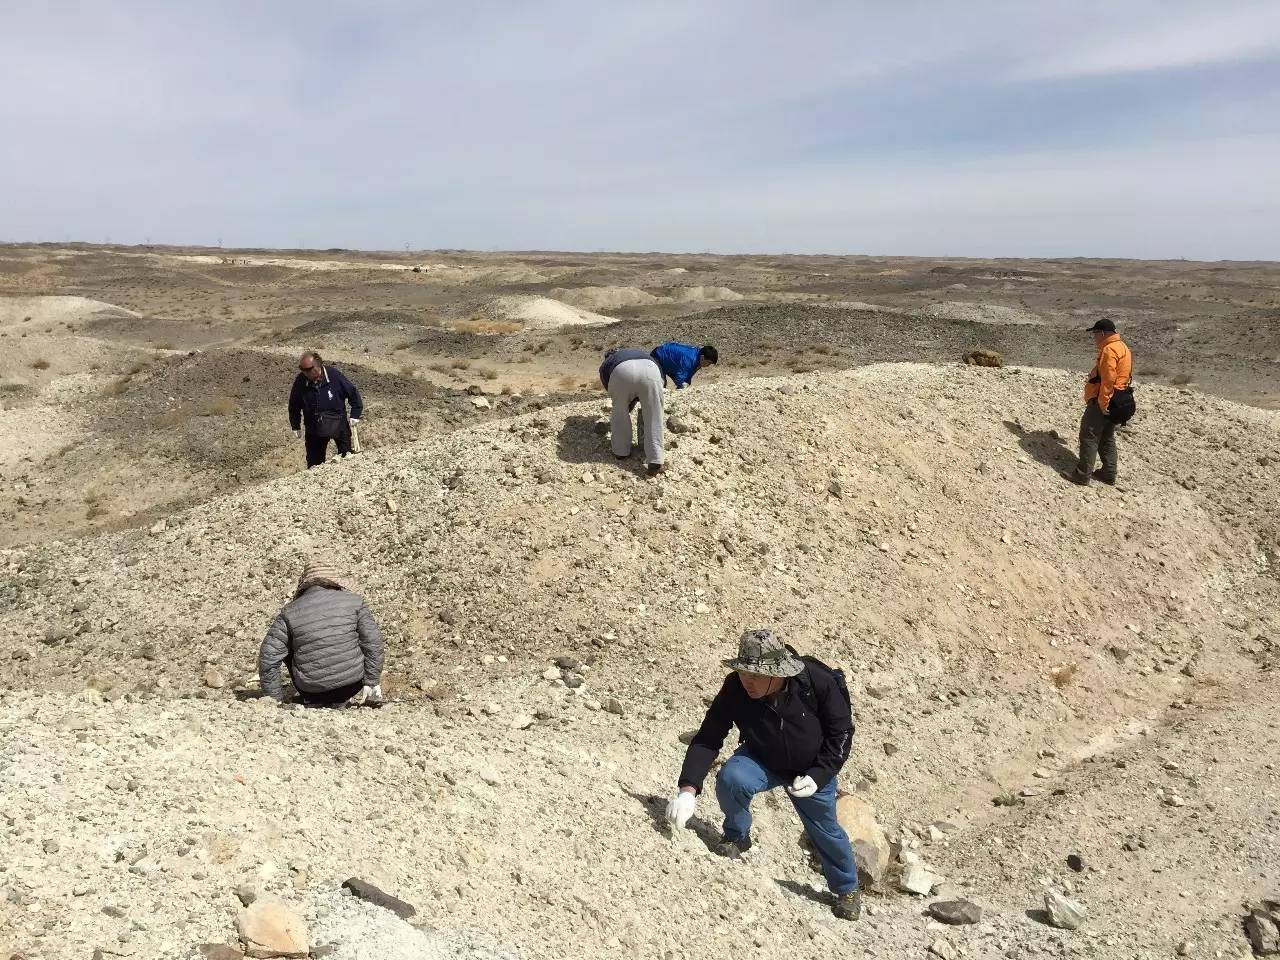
1264, 935
870, 845
1063, 913
270, 928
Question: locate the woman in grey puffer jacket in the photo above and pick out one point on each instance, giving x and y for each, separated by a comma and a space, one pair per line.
328, 640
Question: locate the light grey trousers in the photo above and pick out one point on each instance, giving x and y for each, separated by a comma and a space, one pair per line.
630, 381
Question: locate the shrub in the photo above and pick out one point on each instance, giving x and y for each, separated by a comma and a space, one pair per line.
173, 418
223, 407
116, 387
1182, 379
40, 364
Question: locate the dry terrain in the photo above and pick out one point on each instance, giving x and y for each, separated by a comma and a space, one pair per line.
1055, 688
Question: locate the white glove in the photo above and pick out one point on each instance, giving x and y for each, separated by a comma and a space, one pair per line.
355, 421
802, 787
681, 807
367, 695
297, 434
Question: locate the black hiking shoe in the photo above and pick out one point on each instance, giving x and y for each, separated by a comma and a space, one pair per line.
656, 468
1075, 477
1103, 478
848, 905
733, 849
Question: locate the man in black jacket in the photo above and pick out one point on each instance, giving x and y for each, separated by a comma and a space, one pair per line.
319, 399
795, 728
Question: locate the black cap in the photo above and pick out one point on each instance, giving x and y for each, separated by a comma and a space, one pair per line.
1105, 325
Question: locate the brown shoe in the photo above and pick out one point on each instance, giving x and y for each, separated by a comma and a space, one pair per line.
1103, 478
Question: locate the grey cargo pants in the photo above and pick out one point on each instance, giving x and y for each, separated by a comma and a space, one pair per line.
1097, 439
637, 380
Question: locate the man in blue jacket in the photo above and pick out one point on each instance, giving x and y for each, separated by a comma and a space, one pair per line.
319, 400
680, 361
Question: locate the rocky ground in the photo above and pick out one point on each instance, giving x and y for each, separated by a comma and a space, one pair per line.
1040, 673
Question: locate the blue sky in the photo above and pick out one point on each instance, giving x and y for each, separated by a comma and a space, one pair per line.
1139, 129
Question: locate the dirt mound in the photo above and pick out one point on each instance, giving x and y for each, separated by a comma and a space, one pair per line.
981, 313
542, 313
55, 309
1007, 635
698, 294
604, 298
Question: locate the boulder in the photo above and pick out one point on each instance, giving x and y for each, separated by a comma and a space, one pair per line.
270, 928
870, 845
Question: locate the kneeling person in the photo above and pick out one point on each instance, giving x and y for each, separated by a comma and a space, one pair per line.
328, 640
795, 726
633, 377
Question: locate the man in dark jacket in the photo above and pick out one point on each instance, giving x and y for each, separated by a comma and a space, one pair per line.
328, 640
795, 729
680, 361
319, 400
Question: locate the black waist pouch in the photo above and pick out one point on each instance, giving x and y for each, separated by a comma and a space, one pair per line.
330, 425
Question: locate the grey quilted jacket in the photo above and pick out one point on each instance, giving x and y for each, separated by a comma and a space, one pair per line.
327, 638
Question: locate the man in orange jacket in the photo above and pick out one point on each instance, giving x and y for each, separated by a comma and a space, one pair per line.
1108, 397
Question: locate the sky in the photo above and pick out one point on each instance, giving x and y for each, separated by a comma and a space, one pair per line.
1147, 128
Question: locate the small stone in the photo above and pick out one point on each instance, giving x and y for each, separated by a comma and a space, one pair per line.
835, 489
55, 635
701, 607
522, 722
917, 879
572, 680
51, 846
1075, 862
955, 912
270, 928
940, 948
613, 705
1183, 949
379, 898
213, 678
567, 663
890, 748
147, 651
551, 673
392, 507
158, 527
111, 910
220, 951
1063, 913
481, 403
490, 776
246, 893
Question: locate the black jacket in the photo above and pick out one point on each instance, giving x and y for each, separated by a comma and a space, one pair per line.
331, 392
808, 730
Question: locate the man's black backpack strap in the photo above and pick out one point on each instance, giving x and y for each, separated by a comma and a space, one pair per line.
836, 674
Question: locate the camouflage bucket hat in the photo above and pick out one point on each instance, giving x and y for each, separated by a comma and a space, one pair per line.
764, 653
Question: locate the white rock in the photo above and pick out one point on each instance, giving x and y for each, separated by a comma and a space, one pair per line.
918, 879
1063, 913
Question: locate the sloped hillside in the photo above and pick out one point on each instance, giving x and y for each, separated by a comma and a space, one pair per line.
1007, 636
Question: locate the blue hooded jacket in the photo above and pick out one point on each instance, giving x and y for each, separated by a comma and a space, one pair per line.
679, 361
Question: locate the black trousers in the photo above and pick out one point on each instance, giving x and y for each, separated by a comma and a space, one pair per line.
331, 698
318, 446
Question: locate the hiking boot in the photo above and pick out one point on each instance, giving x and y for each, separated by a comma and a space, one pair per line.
1076, 477
656, 468
848, 905
1103, 478
733, 849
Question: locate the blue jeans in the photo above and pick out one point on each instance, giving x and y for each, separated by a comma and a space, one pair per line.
742, 777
